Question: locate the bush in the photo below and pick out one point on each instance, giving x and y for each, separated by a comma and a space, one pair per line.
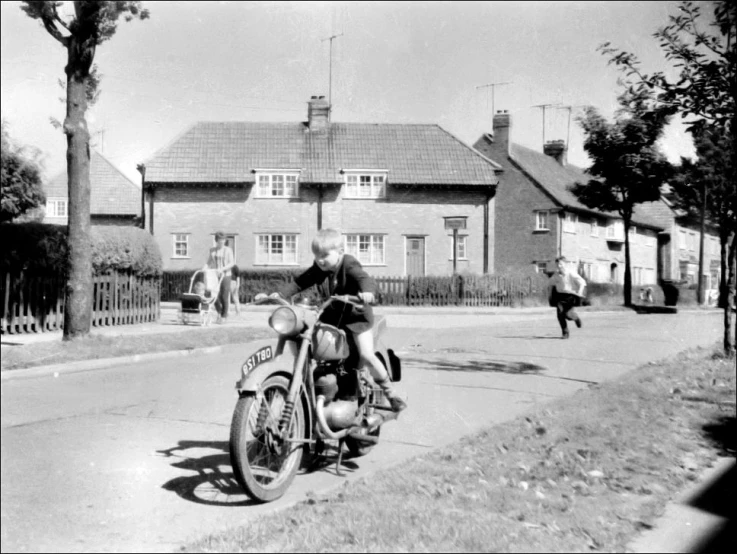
44, 248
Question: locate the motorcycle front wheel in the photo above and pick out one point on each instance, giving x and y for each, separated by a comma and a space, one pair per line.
263, 462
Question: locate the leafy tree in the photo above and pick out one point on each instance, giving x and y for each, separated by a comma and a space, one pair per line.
92, 24
627, 167
703, 50
704, 186
22, 190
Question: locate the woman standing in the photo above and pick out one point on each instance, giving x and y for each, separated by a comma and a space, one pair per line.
221, 259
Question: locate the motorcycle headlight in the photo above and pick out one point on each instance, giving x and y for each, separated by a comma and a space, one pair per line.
285, 321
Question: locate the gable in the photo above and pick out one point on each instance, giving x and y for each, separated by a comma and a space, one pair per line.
111, 192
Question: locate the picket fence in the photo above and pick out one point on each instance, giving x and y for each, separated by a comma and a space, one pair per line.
458, 290
34, 303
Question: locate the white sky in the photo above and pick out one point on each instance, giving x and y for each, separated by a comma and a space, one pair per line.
396, 62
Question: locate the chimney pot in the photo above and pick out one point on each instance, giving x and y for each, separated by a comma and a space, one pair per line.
557, 150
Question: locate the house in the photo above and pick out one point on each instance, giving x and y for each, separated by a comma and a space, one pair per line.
679, 246
114, 199
394, 190
538, 219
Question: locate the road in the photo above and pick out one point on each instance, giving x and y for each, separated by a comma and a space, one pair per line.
135, 458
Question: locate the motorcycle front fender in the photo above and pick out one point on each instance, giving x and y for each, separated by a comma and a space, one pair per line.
282, 363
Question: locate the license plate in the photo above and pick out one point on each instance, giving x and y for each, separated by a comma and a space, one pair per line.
259, 357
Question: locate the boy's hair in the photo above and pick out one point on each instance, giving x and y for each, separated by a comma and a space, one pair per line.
326, 240
219, 235
561, 259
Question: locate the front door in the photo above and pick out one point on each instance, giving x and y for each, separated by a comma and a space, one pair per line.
416, 256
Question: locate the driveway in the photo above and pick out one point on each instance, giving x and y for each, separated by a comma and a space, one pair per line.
135, 458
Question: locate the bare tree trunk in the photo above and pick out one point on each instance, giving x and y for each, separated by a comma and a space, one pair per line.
78, 312
627, 274
730, 338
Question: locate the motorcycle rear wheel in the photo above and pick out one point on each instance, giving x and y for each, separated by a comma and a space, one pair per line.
263, 464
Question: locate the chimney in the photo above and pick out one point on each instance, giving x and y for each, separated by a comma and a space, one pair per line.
501, 125
556, 149
318, 113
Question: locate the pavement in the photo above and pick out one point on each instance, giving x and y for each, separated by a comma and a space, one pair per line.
688, 525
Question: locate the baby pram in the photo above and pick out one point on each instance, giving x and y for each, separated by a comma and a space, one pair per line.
198, 305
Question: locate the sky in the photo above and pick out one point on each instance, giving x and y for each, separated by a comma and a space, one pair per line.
392, 62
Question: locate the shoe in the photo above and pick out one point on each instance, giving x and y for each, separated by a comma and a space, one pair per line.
579, 323
566, 334
397, 404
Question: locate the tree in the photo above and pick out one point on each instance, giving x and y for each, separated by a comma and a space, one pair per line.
703, 189
92, 24
627, 167
22, 190
705, 92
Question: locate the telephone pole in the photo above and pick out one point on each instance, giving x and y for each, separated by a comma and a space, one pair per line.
492, 85
330, 84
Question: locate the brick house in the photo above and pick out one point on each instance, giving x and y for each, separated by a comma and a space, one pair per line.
389, 188
679, 246
114, 199
538, 219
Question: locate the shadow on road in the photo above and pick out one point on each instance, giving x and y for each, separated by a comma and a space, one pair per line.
214, 483
517, 368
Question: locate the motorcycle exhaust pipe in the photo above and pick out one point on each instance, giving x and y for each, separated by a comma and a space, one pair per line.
364, 438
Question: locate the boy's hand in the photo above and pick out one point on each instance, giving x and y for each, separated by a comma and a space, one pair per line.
366, 297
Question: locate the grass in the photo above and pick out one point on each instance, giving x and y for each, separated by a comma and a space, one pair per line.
586, 472
94, 347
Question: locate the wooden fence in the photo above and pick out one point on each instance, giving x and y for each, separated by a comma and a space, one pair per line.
459, 290
33, 303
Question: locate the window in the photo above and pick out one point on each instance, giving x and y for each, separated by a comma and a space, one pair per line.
276, 249
460, 247
682, 239
615, 230
56, 207
541, 220
569, 223
367, 249
277, 185
180, 245
365, 185
594, 227
691, 242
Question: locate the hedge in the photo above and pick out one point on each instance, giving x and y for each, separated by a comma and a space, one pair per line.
43, 248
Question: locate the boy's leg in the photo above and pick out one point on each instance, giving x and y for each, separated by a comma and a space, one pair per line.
560, 312
365, 343
224, 296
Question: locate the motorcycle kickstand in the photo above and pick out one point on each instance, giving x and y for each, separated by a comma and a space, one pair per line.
339, 473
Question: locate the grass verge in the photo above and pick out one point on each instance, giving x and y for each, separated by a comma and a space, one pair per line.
94, 347
583, 473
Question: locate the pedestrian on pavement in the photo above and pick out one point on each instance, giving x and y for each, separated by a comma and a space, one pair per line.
235, 288
221, 259
565, 290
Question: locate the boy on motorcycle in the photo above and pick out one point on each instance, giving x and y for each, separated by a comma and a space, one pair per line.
346, 276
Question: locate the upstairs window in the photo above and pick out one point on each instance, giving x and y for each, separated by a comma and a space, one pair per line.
277, 185
365, 185
682, 240
594, 227
615, 230
633, 234
367, 249
56, 207
541, 220
569, 223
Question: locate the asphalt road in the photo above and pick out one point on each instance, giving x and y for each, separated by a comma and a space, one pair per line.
135, 458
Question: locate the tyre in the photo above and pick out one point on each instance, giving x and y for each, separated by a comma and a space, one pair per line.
262, 462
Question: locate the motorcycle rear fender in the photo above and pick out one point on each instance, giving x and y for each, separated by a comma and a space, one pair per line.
282, 363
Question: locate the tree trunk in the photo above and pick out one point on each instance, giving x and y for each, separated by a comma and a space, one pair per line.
627, 274
78, 312
730, 332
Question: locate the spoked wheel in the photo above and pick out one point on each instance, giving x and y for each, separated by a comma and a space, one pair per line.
263, 462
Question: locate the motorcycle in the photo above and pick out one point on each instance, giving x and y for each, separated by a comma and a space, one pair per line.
304, 394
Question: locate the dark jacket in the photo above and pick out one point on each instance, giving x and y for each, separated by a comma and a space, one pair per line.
349, 278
